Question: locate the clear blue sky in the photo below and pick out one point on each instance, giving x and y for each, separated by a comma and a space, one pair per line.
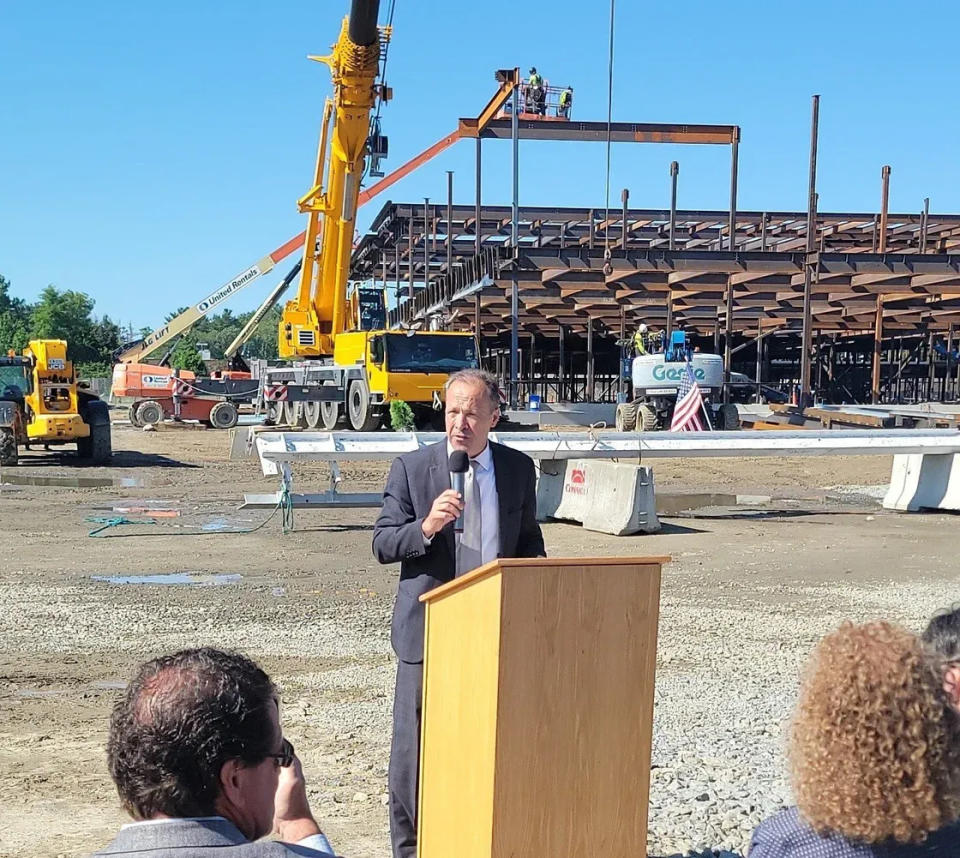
150, 151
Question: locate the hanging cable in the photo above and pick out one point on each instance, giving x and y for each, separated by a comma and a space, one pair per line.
607, 267
375, 121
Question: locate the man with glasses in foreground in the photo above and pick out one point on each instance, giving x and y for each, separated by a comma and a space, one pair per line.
201, 764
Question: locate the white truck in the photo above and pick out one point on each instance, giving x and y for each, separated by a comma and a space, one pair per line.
655, 381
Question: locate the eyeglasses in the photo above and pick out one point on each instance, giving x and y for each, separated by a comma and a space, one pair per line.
285, 758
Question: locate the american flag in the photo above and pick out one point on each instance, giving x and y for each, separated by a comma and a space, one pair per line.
686, 413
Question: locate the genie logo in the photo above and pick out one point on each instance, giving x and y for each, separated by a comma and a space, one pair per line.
661, 372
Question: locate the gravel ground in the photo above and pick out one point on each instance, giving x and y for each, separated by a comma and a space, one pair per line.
746, 597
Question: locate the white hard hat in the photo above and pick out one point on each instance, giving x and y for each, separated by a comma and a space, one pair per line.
643, 328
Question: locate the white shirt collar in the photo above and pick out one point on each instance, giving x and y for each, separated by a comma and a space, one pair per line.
484, 460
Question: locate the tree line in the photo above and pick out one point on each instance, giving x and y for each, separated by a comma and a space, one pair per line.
93, 340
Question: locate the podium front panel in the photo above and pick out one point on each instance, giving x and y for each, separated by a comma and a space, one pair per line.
576, 711
458, 749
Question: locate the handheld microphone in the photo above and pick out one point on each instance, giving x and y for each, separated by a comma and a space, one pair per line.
459, 464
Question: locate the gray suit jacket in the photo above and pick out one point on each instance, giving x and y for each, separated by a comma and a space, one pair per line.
194, 838
414, 482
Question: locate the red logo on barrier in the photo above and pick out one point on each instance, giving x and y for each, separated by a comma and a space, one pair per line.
576, 484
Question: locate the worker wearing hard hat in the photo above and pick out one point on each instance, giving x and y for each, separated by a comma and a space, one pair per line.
566, 102
536, 95
640, 340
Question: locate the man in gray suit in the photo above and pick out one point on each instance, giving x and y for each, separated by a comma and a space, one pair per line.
415, 528
201, 764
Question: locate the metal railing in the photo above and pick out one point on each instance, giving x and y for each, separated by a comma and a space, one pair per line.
468, 276
539, 101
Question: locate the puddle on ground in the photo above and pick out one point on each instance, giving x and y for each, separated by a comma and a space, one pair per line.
40, 692
195, 579
71, 482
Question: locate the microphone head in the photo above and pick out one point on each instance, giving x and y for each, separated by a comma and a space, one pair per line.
459, 462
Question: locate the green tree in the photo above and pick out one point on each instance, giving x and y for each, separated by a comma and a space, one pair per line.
14, 320
65, 316
186, 356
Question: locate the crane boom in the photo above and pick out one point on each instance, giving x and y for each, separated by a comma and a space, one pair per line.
313, 319
137, 351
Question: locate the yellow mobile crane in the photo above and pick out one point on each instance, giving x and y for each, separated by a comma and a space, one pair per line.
349, 375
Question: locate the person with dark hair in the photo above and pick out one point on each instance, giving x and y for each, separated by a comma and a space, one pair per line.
942, 637
200, 763
874, 754
416, 528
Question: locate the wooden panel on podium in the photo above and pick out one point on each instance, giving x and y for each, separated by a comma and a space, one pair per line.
538, 709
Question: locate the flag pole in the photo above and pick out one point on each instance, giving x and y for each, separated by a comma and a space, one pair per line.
706, 413
703, 402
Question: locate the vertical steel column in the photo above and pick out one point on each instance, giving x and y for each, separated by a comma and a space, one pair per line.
426, 245
728, 333
561, 371
734, 163
410, 260
931, 368
590, 374
716, 333
530, 378
819, 363
876, 234
763, 231
877, 346
945, 387
669, 325
593, 230
807, 334
386, 303
515, 239
674, 172
728, 340
624, 198
759, 357
622, 382
396, 270
884, 202
449, 225
478, 241
923, 224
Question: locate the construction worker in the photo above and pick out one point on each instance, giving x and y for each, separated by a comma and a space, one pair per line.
566, 102
535, 95
640, 340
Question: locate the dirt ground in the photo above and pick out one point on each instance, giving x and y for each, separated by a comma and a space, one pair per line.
314, 606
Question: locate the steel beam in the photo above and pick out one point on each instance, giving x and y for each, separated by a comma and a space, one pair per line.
620, 132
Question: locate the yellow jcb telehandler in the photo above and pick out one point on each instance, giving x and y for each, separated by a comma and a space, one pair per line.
40, 403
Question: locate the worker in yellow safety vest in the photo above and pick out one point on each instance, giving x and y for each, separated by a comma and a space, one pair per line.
640, 340
535, 95
566, 102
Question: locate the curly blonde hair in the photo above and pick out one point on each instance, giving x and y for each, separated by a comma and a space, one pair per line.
874, 747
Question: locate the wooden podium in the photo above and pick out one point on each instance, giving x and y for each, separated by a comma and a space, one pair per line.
538, 708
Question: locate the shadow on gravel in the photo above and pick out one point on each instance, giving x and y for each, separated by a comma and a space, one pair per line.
756, 514
666, 528
121, 459
335, 528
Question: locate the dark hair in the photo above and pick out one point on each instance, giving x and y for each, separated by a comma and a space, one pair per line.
478, 378
942, 634
182, 717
